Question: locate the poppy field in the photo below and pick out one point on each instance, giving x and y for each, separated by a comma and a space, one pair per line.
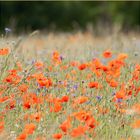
70, 87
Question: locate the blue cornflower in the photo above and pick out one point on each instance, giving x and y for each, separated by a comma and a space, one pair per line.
75, 87
98, 98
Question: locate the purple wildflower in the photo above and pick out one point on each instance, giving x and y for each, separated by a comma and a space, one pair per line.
61, 57
75, 87
119, 100
98, 97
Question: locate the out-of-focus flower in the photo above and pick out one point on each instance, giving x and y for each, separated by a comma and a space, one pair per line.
4, 51
98, 98
7, 30
57, 136
107, 54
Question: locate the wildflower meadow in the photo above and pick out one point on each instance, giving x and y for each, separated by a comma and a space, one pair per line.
69, 86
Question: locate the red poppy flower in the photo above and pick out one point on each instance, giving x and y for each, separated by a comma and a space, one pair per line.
107, 54
82, 66
57, 136
93, 85
79, 131
4, 51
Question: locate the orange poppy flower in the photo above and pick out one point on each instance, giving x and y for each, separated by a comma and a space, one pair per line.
23, 88
56, 58
4, 51
68, 76
82, 66
91, 122
136, 108
137, 91
74, 63
57, 136
55, 55
65, 98
79, 131
26, 117
43, 81
27, 105
22, 136
3, 99
122, 56
1, 126
113, 83
1, 92
13, 72
66, 125
93, 85
89, 76
64, 67
19, 66
29, 128
115, 65
57, 107
120, 94
39, 64
13, 77
107, 54
36, 116
81, 99
97, 64
11, 104
105, 68
103, 110
82, 115
136, 124
73, 72
50, 68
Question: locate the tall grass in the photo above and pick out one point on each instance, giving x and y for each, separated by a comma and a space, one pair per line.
48, 79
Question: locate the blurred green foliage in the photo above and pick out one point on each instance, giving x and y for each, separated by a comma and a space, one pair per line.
67, 15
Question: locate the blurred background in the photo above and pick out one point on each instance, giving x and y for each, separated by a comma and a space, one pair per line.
69, 16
